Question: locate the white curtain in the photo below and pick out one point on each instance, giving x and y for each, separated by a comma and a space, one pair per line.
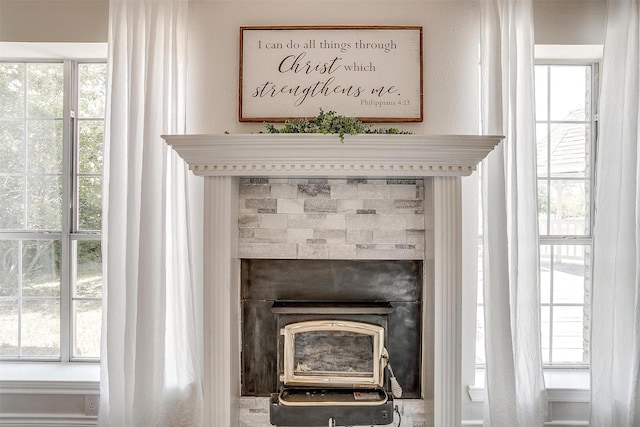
615, 322
151, 363
515, 393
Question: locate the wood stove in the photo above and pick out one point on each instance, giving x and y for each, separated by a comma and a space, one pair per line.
332, 364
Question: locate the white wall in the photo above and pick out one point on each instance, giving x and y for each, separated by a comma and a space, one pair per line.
450, 54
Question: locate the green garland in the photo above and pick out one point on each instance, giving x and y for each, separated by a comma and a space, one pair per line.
329, 122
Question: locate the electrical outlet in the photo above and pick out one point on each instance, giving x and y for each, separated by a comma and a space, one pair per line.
91, 404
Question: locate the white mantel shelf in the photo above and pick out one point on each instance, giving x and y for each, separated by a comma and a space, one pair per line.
370, 155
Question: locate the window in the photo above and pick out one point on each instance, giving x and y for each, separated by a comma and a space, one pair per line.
565, 133
51, 144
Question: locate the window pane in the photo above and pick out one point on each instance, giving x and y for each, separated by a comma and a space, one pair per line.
41, 327
545, 333
569, 274
11, 90
44, 203
12, 146
9, 280
541, 91
92, 83
543, 149
545, 273
570, 88
87, 321
45, 146
569, 208
568, 338
11, 202
91, 142
90, 189
543, 206
41, 268
9, 327
569, 150
45, 90
89, 271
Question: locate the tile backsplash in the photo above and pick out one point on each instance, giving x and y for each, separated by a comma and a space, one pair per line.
292, 218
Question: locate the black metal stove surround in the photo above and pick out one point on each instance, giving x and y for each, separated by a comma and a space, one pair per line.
358, 305
384, 292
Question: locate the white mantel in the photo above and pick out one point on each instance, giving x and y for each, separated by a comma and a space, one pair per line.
224, 158
370, 155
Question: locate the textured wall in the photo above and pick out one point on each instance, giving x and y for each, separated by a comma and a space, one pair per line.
331, 219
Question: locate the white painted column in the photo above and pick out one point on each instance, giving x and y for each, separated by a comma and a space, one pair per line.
221, 302
447, 196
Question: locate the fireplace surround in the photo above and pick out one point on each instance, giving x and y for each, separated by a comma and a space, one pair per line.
222, 159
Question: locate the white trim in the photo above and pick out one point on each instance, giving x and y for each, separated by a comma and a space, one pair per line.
49, 378
592, 52
325, 155
49, 387
40, 420
80, 51
572, 395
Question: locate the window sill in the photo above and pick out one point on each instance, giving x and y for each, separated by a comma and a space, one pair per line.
49, 378
563, 385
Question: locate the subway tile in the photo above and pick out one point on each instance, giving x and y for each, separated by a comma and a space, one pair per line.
273, 221
380, 205
403, 191
260, 204
290, 206
342, 251
313, 251
414, 222
344, 191
371, 222
314, 191
389, 236
284, 191
246, 233
299, 235
333, 221
359, 236
267, 250
248, 221
270, 235
349, 206
373, 191
255, 190
307, 221
320, 205
330, 236
409, 204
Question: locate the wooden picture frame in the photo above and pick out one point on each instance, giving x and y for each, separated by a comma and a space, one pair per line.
373, 73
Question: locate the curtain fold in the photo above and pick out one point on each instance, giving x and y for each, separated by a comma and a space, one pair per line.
615, 321
515, 393
151, 363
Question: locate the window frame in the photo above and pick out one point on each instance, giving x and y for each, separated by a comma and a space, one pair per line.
69, 233
572, 240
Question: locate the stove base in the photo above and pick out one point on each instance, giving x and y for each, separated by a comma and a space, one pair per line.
320, 415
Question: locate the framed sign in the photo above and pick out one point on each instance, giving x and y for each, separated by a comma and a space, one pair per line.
372, 73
